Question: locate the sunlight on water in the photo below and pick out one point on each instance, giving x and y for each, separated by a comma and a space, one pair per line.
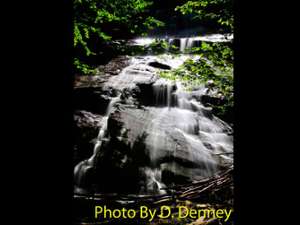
178, 127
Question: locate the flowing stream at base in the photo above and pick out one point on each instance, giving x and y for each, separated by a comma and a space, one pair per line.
178, 125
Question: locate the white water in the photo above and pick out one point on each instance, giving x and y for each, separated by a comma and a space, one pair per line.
185, 42
82, 167
175, 114
195, 129
162, 89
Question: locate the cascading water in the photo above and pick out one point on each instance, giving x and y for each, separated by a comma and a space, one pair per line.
82, 168
183, 137
162, 90
184, 43
188, 119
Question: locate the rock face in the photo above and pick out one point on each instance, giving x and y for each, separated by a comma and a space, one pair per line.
173, 141
91, 99
86, 129
115, 66
151, 134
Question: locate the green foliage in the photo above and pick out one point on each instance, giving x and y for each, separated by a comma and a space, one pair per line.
100, 21
150, 23
219, 11
158, 46
83, 67
220, 54
215, 64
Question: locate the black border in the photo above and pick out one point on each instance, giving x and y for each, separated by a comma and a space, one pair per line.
36, 100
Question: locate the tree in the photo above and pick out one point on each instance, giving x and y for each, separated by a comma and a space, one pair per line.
218, 11
100, 21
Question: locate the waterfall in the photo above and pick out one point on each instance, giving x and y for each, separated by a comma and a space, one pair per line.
153, 181
183, 137
163, 92
82, 168
184, 43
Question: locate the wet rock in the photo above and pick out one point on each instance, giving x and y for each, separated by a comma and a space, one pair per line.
115, 66
156, 94
87, 126
87, 119
132, 76
104, 72
155, 133
91, 81
173, 173
92, 99
175, 42
212, 100
161, 145
159, 65
184, 43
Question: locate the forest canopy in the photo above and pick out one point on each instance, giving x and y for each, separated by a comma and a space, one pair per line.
97, 22
216, 11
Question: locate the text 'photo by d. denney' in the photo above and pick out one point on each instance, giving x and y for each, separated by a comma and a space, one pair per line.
153, 97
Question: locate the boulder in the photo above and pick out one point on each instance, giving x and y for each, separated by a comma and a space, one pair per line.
87, 126
154, 134
159, 65
156, 138
92, 99
115, 66
131, 77
212, 100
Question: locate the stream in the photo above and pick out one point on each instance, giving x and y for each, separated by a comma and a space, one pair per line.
154, 133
